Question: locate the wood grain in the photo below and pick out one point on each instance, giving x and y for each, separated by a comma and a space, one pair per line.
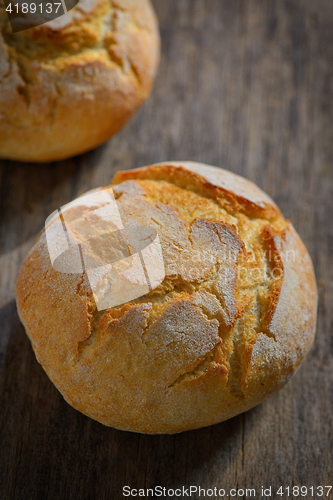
246, 85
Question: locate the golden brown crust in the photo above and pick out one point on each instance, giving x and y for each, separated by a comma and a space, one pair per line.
229, 190
68, 85
230, 323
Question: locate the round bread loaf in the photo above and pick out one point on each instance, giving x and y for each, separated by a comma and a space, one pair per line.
227, 318
68, 85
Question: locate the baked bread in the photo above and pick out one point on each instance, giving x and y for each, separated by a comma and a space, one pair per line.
227, 322
68, 85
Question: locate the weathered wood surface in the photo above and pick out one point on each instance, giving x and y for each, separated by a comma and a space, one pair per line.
246, 85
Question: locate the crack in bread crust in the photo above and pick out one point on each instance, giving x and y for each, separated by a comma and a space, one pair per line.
199, 370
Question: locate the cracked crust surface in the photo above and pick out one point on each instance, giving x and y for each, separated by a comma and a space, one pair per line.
229, 324
68, 85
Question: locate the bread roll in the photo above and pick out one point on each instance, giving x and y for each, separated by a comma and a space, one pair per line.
68, 85
227, 321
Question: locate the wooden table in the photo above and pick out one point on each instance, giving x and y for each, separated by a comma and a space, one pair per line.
246, 85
